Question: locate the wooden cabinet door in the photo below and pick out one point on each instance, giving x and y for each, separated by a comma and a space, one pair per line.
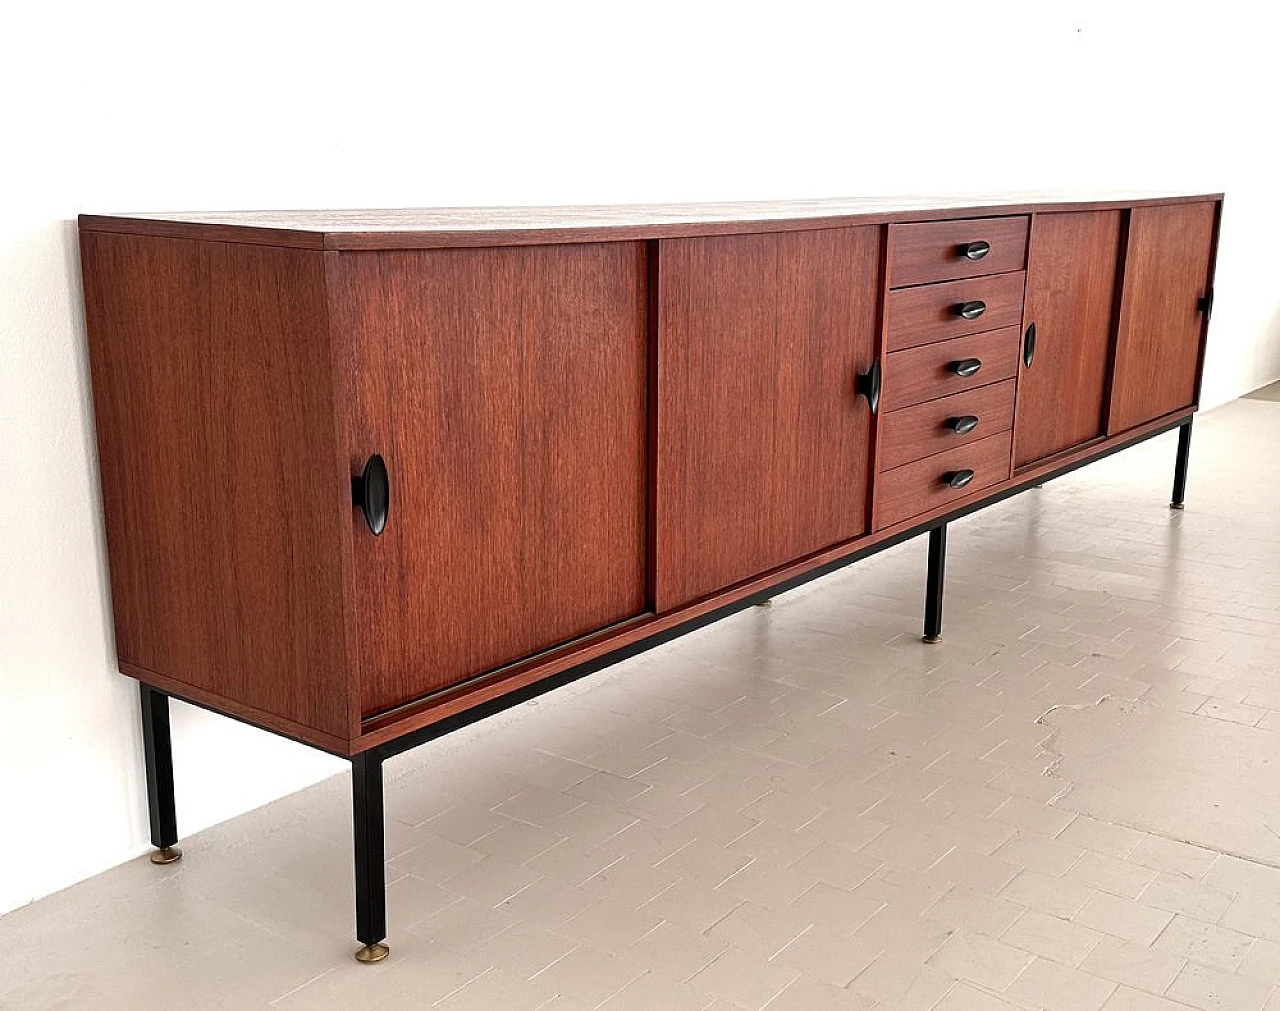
1159, 341
1070, 297
763, 449
506, 389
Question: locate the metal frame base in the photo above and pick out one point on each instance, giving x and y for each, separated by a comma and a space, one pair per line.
366, 768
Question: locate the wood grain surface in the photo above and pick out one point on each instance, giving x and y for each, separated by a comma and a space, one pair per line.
928, 251
506, 389
928, 313
1161, 330
225, 501
1071, 298
427, 228
763, 446
384, 729
916, 432
919, 487
925, 373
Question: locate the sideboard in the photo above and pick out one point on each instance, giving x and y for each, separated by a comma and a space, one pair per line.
369, 476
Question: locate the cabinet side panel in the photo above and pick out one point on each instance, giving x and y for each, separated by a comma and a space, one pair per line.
507, 390
1166, 272
222, 500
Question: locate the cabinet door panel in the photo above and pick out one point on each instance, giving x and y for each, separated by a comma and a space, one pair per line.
507, 390
1071, 283
763, 445
1158, 343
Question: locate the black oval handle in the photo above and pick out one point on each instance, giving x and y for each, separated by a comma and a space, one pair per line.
371, 493
964, 424
868, 385
971, 310
958, 478
1029, 346
966, 367
975, 250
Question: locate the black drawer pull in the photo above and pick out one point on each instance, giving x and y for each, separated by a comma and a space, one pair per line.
964, 424
958, 478
966, 367
971, 310
371, 493
975, 250
1029, 346
868, 384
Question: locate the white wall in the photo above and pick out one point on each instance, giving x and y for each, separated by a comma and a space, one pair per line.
133, 106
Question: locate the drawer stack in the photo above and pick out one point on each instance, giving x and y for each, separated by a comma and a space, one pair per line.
952, 327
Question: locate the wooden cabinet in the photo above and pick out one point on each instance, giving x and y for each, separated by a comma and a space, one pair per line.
599, 425
1071, 293
1168, 262
763, 447
370, 476
508, 390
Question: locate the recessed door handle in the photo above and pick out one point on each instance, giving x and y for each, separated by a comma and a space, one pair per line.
1029, 346
371, 493
1205, 304
958, 478
964, 424
868, 384
971, 310
966, 367
975, 250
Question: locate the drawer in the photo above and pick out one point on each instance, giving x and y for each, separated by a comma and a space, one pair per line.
927, 373
922, 486
932, 312
944, 250
920, 431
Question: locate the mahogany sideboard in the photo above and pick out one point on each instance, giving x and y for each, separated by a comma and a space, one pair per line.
369, 476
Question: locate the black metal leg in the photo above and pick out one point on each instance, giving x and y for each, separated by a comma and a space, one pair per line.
1180, 466
158, 748
933, 589
371, 870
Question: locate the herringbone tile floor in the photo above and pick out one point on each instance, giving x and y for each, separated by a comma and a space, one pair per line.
1072, 803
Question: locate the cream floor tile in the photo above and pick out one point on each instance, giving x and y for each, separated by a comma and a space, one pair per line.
1134, 965
1054, 987
1211, 989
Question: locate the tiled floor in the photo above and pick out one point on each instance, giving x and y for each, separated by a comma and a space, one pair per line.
1073, 803
1271, 393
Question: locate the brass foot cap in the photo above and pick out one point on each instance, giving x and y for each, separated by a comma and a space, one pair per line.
1176, 505
371, 953
765, 603
932, 640
166, 855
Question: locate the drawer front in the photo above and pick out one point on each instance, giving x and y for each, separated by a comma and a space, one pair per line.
920, 431
929, 372
932, 312
922, 486
945, 250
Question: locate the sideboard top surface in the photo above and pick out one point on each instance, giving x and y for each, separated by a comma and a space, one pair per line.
493, 226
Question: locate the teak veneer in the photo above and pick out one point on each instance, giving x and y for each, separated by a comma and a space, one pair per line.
369, 476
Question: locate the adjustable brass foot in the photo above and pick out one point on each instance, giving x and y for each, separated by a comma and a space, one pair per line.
371, 953
1176, 505
765, 603
932, 640
166, 855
